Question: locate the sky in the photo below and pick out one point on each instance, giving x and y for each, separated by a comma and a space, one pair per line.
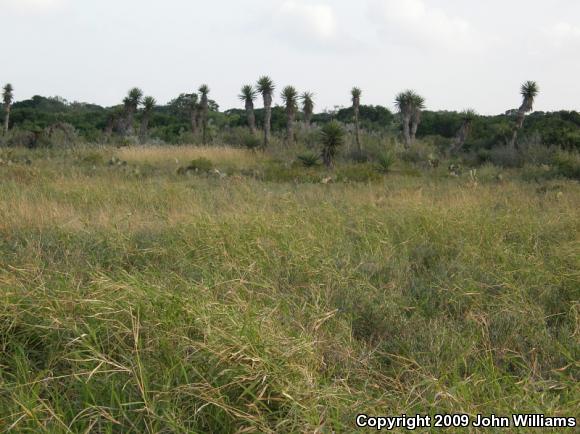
456, 53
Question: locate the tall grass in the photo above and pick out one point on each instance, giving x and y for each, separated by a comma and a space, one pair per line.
152, 302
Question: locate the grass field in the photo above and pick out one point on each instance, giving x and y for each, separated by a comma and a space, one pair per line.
134, 299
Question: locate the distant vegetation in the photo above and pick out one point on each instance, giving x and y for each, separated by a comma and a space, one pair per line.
196, 118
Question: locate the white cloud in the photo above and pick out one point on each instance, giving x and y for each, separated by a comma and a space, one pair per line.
31, 5
411, 22
316, 21
563, 35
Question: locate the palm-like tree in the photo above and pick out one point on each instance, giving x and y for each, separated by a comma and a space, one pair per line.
308, 107
7, 98
290, 98
266, 88
409, 104
131, 102
529, 91
204, 107
248, 95
332, 136
356, 94
467, 118
148, 106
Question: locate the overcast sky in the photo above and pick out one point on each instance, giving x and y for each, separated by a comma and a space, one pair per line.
456, 53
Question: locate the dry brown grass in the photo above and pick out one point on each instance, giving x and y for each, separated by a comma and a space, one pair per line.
221, 155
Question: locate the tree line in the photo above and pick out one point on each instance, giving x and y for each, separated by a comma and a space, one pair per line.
196, 113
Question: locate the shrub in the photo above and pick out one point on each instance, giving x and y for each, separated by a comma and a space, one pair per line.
201, 164
332, 137
419, 152
506, 156
308, 159
385, 161
567, 164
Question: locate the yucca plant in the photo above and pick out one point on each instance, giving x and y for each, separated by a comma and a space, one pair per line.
131, 103
290, 98
7, 98
355, 96
529, 91
467, 118
409, 104
204, 108
266, 88
332, 137
148, 106
385, 161
307, 107
308, 159
248, 95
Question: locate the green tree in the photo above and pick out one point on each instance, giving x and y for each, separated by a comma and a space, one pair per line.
332, 137
131, 103
290, 98
307, 107
186, 106
7, 98
356, 94
148, 106
529, 91
204, 107
266, 88
248, 95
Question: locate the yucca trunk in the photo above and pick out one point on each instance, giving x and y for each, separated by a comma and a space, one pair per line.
193, 115
327, 158
307, 119
415, 121
290, 115
250, 116
267, 118
204, 118
7, 118
144, 127
519, 124
407, 129
356, 127
129, 128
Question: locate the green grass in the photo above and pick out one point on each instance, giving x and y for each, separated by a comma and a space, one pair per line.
135, 299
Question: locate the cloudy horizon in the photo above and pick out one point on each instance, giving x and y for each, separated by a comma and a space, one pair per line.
456, 54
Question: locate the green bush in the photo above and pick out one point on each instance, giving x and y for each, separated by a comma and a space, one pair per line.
419, 152
385, 161
201, 164
308, 159
568, 164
